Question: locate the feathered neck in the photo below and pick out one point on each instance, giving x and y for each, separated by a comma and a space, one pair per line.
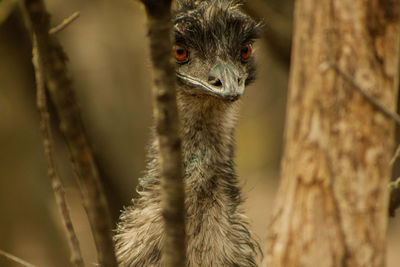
207, 129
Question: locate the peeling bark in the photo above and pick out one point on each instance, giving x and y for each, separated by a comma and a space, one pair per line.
332, 201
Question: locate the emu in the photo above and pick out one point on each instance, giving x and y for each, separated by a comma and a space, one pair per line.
214, 63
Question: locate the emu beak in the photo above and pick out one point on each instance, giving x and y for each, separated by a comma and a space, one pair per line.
224, 81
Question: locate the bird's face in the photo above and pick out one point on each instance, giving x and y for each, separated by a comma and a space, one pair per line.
213, 49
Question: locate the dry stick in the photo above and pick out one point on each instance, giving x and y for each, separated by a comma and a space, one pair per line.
15, 259
63, 98
394, 201
167, 124
45, 127
395, 156
64, 23
394, 187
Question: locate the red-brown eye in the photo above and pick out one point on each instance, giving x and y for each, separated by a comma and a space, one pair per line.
246, 51
180, 53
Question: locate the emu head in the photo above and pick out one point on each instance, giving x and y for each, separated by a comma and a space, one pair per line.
213, 48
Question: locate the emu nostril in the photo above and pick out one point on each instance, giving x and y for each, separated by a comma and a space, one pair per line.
217, 83
239, 80
214, 81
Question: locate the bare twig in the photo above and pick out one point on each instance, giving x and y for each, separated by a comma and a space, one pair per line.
330, 64
71, 125
394, 201
15, 259
167, 125
394, 188
76, 255
64, 23
395, 156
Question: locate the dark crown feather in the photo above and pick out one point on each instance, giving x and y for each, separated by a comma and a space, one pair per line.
213, 25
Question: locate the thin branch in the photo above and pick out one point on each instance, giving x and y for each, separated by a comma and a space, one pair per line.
167, 125
16, 259
395, 156
394, 188
394, 201
330, 64
64, 23
45, 127
62, 95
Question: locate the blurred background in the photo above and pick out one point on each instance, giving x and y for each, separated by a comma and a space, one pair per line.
110, 67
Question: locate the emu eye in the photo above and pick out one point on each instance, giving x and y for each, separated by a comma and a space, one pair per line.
245, 52
181, 54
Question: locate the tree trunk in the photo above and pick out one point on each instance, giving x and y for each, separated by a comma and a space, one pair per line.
332, 201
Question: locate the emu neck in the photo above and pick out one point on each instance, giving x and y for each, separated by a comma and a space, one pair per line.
207, 129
